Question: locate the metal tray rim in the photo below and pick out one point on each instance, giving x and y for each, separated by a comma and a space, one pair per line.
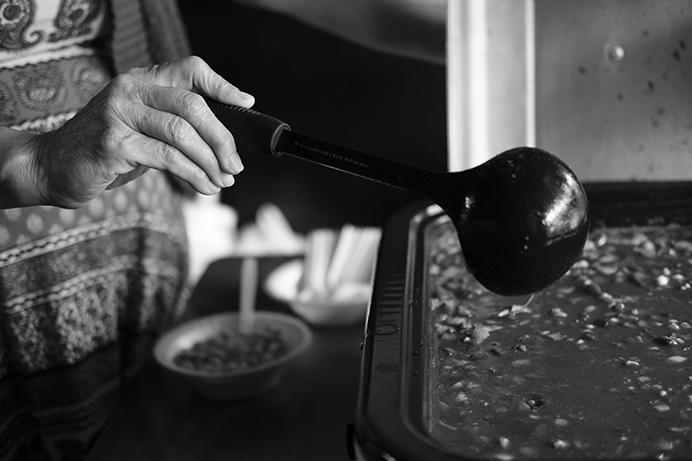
383, 428
388, 350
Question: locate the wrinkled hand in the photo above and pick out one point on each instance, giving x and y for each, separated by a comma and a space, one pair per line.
145, 118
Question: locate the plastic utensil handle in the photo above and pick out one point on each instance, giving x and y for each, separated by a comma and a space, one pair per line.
254, 132
258, 133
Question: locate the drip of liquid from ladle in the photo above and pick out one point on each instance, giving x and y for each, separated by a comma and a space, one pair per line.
521, 217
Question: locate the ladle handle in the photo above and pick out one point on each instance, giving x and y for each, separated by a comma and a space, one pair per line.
254, 132
258, 133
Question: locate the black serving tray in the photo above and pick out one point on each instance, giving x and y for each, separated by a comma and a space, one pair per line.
392, 408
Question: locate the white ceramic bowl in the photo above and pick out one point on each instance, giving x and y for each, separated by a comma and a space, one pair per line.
239, 383
347, 308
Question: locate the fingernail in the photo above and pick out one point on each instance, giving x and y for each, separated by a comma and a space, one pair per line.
236, 164
228, 180
214, 189
246, 97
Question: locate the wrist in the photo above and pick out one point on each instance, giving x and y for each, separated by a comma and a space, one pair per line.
20, 182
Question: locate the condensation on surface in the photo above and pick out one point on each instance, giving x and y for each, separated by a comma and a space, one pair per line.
614, 85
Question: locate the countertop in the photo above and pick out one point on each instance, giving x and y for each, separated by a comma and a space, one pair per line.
304, 417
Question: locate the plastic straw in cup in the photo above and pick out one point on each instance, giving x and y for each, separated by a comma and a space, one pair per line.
318, 254
347, 241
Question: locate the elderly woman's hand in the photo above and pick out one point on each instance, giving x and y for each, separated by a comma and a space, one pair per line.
145, 118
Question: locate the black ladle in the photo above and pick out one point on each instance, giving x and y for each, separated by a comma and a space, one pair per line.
521, 217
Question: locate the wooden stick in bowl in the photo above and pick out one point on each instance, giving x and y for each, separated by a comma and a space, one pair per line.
248, 289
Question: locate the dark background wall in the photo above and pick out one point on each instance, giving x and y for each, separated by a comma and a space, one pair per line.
331, 89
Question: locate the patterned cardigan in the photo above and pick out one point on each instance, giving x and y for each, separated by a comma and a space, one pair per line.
57, 412
147, 32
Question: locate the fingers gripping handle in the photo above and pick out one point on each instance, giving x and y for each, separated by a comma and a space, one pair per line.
254, 132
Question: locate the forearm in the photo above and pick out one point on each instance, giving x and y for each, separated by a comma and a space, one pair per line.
19, 184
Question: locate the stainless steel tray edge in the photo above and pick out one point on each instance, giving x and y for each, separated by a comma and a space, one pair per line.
388, 425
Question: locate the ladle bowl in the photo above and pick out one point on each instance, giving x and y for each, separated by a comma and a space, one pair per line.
521, 217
